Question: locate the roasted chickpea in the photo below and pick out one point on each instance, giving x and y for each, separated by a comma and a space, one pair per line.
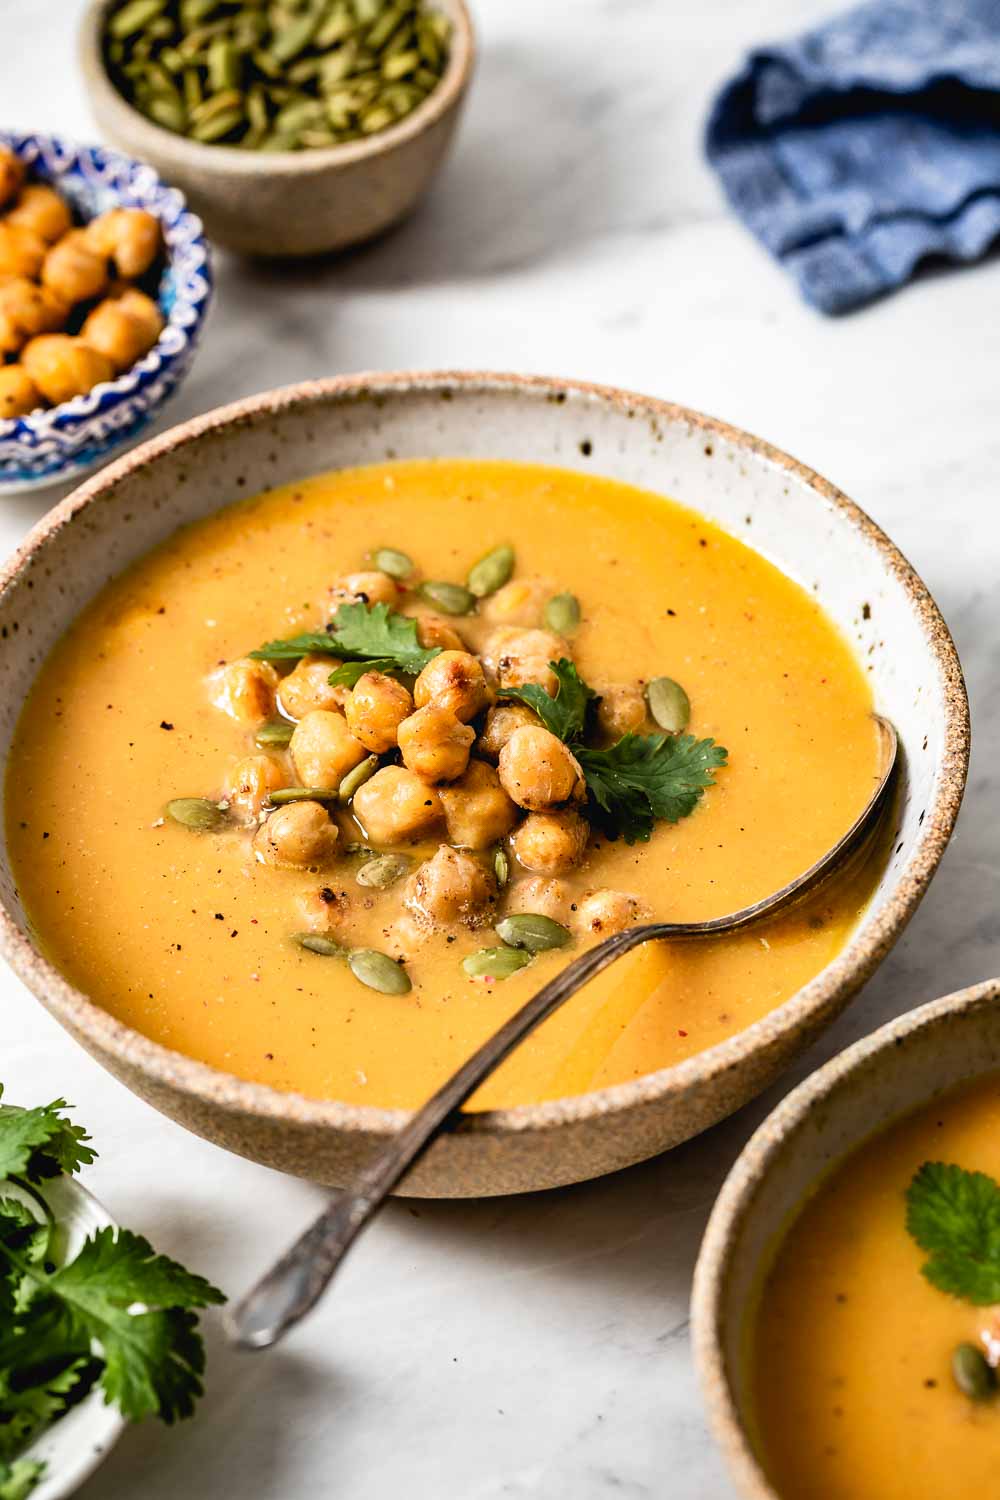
128, 236
41, 209
538, 771
621, 710
477, 810
514, 656
244, 690
72, 270
123, 328
363, 588
11, 174
550, 898
434, 630
405, 936
600, 913
501, 721
519, 602
395, 806
323, 749
18, 392
27, 309
249, 784
296, 836
452, 887
307, 687
375, 710
63, 367
323, 909
550, 842
453, 680
22, 251
434, 744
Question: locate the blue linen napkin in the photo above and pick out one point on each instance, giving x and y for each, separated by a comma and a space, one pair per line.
867, 145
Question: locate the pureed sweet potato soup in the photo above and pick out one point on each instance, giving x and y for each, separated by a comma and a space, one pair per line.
878, 1334
348, 948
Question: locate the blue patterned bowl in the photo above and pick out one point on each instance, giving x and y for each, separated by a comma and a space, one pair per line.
65, 441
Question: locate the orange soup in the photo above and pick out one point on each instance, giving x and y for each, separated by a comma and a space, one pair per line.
206, 840
853, 1352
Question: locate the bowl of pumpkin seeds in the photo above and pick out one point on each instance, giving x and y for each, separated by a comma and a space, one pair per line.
293, 127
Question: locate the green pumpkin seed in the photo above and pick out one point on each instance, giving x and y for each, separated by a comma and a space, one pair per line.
491, 572
219, 125
382, 872
223, 65
495, 963
197, 813
450, 598
276, 732
501, 868
375, 119
316, 942
287, 794
397, 564
399, 65
337, 28
974, 1377
357, 777
356, 849
379, 972
533, 931
562, 614
134, 17
386, 24
295, 37
170, 113
669, 704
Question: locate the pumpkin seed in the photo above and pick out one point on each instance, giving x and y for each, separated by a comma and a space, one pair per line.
357, 777
316, 942
974, 1377
501, 868
276, 732
197, 813
495, 963
533, 931
379, 972
386, 24
375, 119
170, 113
669, 704
287, 794
219, 125
383, 871
223, 65
397, 564
491, 572
562, 613
134, 17
452, 598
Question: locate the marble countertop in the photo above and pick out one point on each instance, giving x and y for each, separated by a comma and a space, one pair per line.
538, 1346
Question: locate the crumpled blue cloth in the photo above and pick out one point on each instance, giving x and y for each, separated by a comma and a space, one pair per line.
867, 145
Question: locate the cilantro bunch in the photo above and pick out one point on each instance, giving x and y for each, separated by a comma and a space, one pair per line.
118, 1315
366, 637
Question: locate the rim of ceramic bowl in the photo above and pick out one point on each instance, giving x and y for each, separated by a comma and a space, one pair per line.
736, 1201
186, 250
452, 84
852, 966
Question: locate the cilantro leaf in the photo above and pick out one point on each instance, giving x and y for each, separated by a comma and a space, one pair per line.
41, 1142
370, 633
348, 674
18, 1479
28, 1408
645, 777
955, 1216
564, 714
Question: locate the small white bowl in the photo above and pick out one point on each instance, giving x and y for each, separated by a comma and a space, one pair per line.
72, 1448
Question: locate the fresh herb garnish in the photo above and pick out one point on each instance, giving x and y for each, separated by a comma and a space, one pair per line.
955, 1216
372, 634
636, 781
117, 1295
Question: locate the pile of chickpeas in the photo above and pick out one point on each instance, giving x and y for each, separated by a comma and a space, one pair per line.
54, 277
444, 762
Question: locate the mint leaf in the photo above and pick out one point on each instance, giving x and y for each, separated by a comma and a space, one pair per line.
645, 777
563, 714
955, 1216
41, 1142
18, 1479
369, 633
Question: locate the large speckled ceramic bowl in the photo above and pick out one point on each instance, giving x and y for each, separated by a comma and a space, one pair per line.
293, 203
900, 1067
797, 519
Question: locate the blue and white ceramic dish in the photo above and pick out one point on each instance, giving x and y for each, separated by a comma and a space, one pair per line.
65, 441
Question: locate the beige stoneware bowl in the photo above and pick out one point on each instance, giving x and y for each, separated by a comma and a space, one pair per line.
292, 203
760, 495
900, 1067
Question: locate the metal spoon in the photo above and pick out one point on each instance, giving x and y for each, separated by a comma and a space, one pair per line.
296, 1281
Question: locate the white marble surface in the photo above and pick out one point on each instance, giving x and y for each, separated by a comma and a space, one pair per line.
537, 1347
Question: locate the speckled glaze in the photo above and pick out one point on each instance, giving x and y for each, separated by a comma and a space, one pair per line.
293, 203
896, 1069
786, 511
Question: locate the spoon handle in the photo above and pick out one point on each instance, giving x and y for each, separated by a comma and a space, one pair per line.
296, 1282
